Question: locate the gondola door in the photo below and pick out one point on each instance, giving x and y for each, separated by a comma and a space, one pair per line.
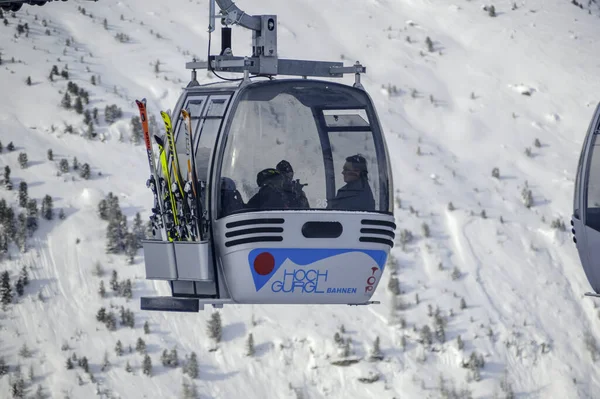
586, 212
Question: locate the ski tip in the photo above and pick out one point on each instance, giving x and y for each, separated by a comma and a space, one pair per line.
159, 140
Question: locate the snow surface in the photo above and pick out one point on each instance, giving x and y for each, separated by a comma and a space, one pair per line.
490, 88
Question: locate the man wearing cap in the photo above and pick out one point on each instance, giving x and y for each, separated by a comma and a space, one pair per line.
295, 196
356, 195
270, 195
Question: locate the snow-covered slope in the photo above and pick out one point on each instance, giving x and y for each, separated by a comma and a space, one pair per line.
457, 112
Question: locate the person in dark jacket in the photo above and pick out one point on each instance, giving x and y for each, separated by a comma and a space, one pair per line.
356, 195
293, 190
270, 195
231, 199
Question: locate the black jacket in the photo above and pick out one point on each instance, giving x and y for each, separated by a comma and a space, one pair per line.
268, 197
354, 196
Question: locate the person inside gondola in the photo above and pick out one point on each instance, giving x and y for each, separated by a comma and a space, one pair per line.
231, 199
292, 189
356, 195
270, 195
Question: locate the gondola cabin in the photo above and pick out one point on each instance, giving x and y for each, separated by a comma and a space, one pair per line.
586, 207
271, 191
296, 196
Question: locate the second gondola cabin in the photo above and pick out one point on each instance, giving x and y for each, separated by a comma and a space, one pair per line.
585, 221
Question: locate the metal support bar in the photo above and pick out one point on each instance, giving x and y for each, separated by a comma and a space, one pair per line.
260, 65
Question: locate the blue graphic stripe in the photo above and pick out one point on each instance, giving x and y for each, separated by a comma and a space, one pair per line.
304, 257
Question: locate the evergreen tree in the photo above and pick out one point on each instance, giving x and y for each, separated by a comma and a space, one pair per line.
188, 390
23, 194
19, 287
114, 281
87, 117
131, 247
18, 387
111, 321
103, 209
50, 155
85, 171
66, 101
69, 364
191, 368
78, 106
138, 229
173, 358
1, 147
22, 160
6, 173
5, 289
47, 211
10, 146
140, 346
136, 130
32, 216
101, 315
146, 327
426, 337
376, 351
105, 362
128, 367
28, 81
63, 165
24, 275
102, 290
250, 345
4, 369
119, 348
75, 163
83, 363
21, 237
147, 365
125, 289
214, 326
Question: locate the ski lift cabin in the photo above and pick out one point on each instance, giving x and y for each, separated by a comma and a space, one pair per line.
586, 207
294, 188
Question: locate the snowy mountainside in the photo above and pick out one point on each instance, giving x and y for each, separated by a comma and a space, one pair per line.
479, 100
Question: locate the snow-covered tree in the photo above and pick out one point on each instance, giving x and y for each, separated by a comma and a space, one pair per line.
136, 130
23, 197
47, 211
214, 326
23, 160
5, 289
32, 216
147, 365
63, 165
66, 101
140, 346
191, 368
250, 345
376, 354
85, 171
119, 348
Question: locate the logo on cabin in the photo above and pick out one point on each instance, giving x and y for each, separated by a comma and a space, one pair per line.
315, 270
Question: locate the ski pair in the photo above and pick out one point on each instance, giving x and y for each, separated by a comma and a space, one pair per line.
185, 191
175, 218
160, 219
